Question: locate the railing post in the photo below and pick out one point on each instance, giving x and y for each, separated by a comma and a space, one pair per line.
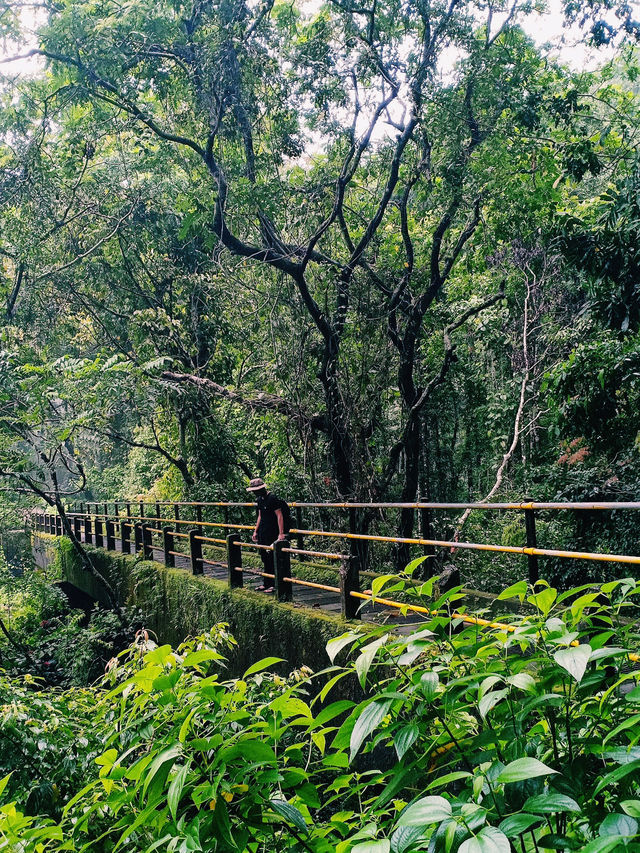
137, 537
111, 539
77, 527
176, 512
350, 582
46, 522
59, 530
234, 560
158, 510
147, 542
168, 547
106, 510
116, 511
282, 570
426, 532
141, 510
199, 519
532, 559
125, 536
98, 532
299, 536
195, 550
128, 510
88, 536
81, 508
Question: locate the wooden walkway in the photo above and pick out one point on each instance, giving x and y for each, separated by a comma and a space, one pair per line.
316, 599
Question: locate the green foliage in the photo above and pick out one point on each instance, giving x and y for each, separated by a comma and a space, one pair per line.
516, 734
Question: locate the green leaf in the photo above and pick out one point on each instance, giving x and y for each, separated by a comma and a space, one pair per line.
603, 845
175, 789
331, 711
382, 846
404, 837
516, 590
429, 682
490, 700
425, 811
631, 807
166, 757
550, 804
265, 663
516, 824
618, 824
339, 643
367, 654
4, 782
553, 841
199, 656
379, 582
404, 739
249, 750
574, 660
488, 840
448, 778
544, 599
368, 721
616, 775
290, 813
523, 768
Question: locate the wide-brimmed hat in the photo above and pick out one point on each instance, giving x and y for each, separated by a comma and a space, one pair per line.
256, 485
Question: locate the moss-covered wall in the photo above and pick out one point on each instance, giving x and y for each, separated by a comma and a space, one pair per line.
177, 604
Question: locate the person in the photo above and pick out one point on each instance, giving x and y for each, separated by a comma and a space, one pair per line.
270, 526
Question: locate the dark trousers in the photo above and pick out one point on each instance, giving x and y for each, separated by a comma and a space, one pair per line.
268, 566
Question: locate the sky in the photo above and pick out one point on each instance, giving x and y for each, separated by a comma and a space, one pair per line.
543, 28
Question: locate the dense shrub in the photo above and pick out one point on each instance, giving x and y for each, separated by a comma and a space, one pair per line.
517, 734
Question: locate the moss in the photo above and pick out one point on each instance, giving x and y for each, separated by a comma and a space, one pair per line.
178, 604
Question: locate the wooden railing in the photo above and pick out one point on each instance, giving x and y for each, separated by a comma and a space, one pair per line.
142, 527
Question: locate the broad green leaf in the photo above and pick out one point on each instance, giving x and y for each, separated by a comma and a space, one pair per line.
426, 811
523, 768
265, 663
367, 722
516, 824
404, 837
338, 643
367, 654
201, 655
333, 710
381, 846
488, 840
523, 681
516, 590
574, 660
380, 582
618, 824
550, 804
631, 807
544, 599
490, 700
429, 682
175, 789
404, 738
290, 813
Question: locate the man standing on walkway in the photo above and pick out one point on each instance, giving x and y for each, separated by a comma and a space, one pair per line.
270, 526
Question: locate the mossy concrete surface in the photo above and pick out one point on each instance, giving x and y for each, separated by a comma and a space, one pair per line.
176, 605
